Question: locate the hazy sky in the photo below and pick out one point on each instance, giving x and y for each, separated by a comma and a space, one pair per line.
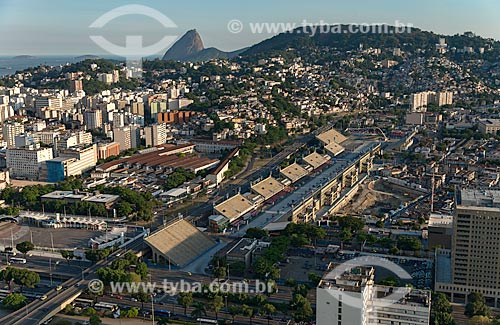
61, 27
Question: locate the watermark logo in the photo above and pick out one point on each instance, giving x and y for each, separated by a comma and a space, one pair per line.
236, 26
134, 50
173, 288
352, 271
95, 286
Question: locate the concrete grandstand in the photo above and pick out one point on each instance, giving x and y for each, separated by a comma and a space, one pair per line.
178, 243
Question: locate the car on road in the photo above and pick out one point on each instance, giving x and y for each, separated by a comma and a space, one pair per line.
43, 297
59, 287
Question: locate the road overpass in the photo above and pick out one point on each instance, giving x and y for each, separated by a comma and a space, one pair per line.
39, 311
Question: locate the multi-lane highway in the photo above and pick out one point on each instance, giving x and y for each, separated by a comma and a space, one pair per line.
39, 310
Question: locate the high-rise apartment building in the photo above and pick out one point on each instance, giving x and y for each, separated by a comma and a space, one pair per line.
10, 130
93, 119
420, 101
155, 134
75, 85
128, 137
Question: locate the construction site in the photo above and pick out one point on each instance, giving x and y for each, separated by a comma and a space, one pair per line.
377, 197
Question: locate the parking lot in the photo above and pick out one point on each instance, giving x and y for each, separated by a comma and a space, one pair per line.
304, 262
62, 237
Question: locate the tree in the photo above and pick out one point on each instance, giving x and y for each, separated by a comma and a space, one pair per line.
482, 320
89, 311
67, 255
314, 278
131, 313
95, 320
390, 281
345, 234
185, 299
270, 310
353, 223
301, 289
220, 272
409, 243
476, 305
95, 255
234, 310
27, 278
441, 310
22, 277
14, 301
257, 233
248, 311
123, 209
141, 296
142, 269
199, 309
259, 300
216, 305
302, 308
25, 247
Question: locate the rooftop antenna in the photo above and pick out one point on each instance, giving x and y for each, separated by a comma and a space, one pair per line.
432, 192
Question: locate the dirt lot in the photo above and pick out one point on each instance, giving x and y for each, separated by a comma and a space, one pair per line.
63, 238
375, 198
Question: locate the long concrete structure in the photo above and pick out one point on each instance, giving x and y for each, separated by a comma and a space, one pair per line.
322, 191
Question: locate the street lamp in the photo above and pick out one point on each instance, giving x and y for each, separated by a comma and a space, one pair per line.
26, 304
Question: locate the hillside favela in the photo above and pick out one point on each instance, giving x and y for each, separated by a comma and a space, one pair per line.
261, 162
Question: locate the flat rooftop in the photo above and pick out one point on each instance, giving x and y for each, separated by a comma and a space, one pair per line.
57, 195
234, 207
242, 247
294, 172
411, 297
334, 148
268, 187
315, 160
331, 136
490, 121
443, 268
440, 220
478, 198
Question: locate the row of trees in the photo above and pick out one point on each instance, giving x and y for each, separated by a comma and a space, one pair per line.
121, 271
243, 305
21, 277
139, 204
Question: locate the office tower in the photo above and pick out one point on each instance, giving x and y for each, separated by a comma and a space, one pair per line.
353, 298
27, 162
475, 256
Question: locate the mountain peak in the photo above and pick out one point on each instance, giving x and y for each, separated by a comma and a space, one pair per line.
190, 48
187, 46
